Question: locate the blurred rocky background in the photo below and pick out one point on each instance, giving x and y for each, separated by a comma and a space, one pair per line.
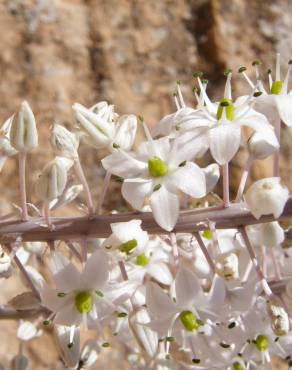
131, 53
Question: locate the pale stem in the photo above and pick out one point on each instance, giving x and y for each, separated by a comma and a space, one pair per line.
174, 249
83, 250
244, 179
254, 260
82, 178
104, 189
276, 170
225, 173
123, 270
276, 266
74, 250
22, 185
215, 241
46, 210
25, 275
247, 272
264, 260
205, 251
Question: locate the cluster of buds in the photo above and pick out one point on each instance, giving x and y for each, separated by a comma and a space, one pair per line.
177, 286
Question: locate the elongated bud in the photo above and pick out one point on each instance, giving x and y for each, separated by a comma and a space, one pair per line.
272, 234
226, 266
64, 142
262, 144
126, 128
52, 181
100, 131
267, 196
23, 132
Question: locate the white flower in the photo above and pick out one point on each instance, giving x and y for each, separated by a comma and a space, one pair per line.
23, 132
127, 237
157, 172
226, 266
78, 295
223, 122
267, 196
52, 181
272, 234
64, 142
262, 144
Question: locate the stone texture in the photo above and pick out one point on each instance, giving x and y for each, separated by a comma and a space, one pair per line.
130, 52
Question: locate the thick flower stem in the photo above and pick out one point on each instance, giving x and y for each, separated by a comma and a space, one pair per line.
244, 179
225, 172
105, 186
82, 178
205, 251
254, 260
22, 185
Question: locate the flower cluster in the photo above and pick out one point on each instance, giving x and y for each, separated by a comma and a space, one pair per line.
178, 287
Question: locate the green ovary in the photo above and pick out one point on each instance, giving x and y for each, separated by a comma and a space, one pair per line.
142, 260
128, 246
237, 366
84, 302
262, 343
189, 320
276, 87
157, 167
229, 109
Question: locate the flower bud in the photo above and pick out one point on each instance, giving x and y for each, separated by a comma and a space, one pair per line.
99, 130
267, 196
262, 144
27, 331
6, 150
5, 265
272, 234
23, 132
279, 318
64, 142
52, 181
226, 266
126, 128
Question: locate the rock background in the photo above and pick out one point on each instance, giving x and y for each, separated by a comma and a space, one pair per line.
130, 52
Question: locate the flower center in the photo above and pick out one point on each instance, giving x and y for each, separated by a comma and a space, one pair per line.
276, 87
142, 260
262, 343
189, 320
237, 366
84, 302
128, 246
229, 109
157, 167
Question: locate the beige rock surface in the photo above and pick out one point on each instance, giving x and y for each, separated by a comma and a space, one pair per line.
130, 52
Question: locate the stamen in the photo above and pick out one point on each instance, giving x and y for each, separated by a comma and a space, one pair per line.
227, 91
278, 68
181, 99
176, 101
287, 77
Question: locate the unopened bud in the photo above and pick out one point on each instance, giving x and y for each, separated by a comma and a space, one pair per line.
64, 142
23, 132
272, 234
267, 196
52, 181
279, 318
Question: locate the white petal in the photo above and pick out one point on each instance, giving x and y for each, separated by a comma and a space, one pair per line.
165, 208
187, 287
158, 303
212, 174
224, 142
160, 272
67, 279
284, 105
190, 179
122, 164
96, 271
126, 131
136, 190
68, 315
69, 355
217, 293
255, 120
